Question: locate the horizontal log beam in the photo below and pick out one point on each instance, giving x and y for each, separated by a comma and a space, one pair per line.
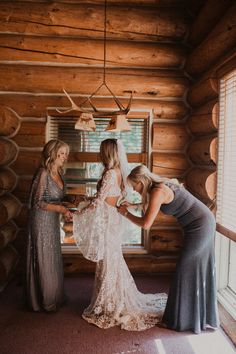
156, 3
164, 220
202, 183
22, 217
165, 240
22, 189
203, 151
10, 207
193, 7
27, 105
169, 136
27, 162
144, 83
169, 164
31, 134
203, 91
9, 122
81, 51
204, 120
7, 234
8, 151
8, 180
208, 16
131, 23
219, 42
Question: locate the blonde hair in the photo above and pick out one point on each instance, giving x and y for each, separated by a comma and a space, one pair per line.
50, 151
109, 154
148, 179
109, 157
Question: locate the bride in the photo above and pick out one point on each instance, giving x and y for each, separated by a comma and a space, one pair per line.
98, 229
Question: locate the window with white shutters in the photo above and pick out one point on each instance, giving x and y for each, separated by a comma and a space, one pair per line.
226, 194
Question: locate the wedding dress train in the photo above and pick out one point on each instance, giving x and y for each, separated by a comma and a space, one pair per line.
116, 300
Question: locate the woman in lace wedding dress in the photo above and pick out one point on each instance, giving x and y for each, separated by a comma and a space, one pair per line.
98, 230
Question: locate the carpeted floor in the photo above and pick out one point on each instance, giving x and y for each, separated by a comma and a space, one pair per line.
65, 332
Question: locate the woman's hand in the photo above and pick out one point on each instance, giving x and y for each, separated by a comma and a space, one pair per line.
127, 204
65, 212
79, 198
62, 209
68, 216
123, 209
132, 206
77, 212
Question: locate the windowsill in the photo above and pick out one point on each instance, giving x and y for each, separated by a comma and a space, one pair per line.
72, 249
228, 324
227, 299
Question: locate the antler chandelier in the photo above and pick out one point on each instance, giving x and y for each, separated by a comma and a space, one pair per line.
86, 121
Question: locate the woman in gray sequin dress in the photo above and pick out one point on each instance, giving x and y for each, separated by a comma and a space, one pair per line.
191, 303
44, 269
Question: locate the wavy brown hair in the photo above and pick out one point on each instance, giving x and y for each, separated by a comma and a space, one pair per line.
109, 157
50, 151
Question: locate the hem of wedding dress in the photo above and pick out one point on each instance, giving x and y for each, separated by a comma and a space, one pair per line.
121, 324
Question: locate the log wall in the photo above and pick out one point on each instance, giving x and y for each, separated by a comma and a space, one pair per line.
10, 206
213, 39
53, 45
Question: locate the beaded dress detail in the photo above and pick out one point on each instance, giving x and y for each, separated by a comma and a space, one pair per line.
44, 268
116, 300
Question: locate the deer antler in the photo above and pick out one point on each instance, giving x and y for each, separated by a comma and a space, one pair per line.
74, 106
96, 112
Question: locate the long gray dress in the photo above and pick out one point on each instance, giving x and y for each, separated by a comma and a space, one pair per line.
44, 269
192, 303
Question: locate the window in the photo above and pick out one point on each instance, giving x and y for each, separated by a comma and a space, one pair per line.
84, 168
226, 194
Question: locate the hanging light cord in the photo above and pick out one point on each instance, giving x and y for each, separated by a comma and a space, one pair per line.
122, 109
105, 42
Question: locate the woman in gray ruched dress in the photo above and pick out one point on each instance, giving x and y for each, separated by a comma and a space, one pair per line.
191, 303
44, 270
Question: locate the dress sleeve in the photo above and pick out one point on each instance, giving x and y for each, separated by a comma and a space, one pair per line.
107, 182
38, 195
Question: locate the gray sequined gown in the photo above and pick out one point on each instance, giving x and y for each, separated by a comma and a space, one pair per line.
192, 303
44, 269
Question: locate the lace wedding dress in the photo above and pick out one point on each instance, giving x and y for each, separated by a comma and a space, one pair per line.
116, 300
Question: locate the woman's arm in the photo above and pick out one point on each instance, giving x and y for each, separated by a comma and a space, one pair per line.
107, 181
38, 199
157, 198
136, 206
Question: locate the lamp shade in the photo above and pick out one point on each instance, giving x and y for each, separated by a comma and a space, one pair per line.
119, 123
85, 122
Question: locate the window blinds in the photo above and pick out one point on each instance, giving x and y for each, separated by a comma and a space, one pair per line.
226, 184
135, 141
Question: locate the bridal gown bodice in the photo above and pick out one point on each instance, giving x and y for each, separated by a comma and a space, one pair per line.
116, 300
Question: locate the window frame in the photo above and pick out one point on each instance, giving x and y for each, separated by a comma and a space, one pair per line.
145, 158
223, 241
